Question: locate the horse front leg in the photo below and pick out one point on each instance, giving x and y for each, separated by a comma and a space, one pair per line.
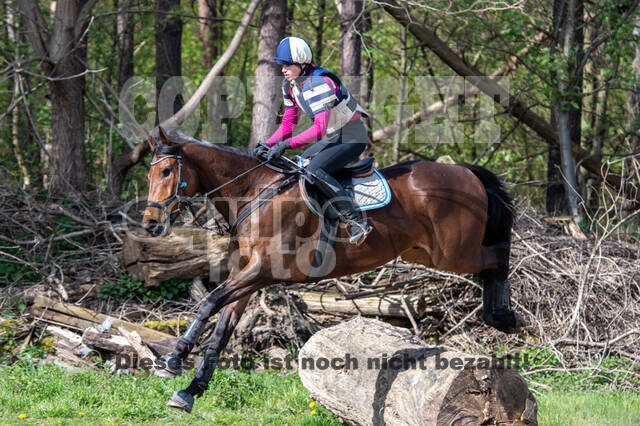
183, 399
233, 297
172, 363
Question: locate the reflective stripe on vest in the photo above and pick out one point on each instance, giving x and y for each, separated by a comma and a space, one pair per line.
316, 96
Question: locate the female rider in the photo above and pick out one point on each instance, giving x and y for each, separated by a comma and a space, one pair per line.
336, 122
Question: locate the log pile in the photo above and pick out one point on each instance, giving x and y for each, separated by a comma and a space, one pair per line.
369, 373
121, 344
187, 253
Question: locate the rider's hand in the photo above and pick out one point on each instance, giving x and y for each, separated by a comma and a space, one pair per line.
277, 150
260, 151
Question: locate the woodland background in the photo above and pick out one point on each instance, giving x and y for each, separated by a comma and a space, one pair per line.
73, 179
569, 127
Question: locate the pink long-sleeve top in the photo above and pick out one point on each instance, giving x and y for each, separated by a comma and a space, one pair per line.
290, 120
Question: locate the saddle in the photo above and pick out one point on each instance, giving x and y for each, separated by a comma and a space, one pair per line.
360, 179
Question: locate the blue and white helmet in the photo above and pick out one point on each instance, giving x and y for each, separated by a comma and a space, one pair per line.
293, 50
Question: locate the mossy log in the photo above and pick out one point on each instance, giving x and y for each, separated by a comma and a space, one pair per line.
371, 373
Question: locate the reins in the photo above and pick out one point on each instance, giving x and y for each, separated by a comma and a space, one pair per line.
187, 200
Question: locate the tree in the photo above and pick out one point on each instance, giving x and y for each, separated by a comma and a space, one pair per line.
124, 35
568, 111
168, 45
267, 95
632, 162
351, 42
17, 89
211, 30
59, 49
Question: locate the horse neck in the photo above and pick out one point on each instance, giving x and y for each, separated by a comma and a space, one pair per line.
216, 166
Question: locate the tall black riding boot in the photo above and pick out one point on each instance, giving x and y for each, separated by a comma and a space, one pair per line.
358, 226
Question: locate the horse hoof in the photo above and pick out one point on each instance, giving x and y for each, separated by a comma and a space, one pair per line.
169, 367
521, 322
181, 400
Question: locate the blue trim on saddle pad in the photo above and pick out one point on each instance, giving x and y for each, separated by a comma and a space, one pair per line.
371, 206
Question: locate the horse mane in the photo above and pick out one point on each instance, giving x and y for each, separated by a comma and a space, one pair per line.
184, 139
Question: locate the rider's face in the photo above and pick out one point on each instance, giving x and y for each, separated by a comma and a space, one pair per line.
291, 71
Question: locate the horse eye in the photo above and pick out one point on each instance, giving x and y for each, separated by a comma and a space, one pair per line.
166, 172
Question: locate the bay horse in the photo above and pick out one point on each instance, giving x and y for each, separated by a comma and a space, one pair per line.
455, 218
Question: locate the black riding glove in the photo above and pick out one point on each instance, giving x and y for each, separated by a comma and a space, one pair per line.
278, 149
260, 151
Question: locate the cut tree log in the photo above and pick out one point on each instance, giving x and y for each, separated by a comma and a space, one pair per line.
388, 305
81, 318
108, 341
185, 253
370, 373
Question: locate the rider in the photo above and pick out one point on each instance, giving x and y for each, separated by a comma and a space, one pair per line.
336, 122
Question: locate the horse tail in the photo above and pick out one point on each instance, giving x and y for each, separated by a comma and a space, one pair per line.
500, 207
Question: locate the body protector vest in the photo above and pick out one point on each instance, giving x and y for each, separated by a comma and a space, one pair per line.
314, 95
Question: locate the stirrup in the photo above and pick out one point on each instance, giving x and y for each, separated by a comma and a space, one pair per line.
359, 231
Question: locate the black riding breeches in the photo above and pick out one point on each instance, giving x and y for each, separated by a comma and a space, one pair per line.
332, 153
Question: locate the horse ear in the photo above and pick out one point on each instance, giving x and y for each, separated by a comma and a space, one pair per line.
152, 143
163, 136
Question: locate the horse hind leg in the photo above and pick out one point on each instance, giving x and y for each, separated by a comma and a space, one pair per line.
496, 293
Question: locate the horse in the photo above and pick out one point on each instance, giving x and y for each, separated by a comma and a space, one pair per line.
456, 218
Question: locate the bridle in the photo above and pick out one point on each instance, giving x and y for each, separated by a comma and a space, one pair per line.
181, 185
175, 151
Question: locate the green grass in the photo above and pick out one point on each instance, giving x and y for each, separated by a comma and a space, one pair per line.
51, 394
585, 408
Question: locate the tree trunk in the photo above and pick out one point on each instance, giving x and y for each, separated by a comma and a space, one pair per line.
67, 95
322, 10
210, 29
371, 373
124, 35
60, 48
632, 163
401, 98
15, 114
168, 47
267, 96
351, 44
568, 16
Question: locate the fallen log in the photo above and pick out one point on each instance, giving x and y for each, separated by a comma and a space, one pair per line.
108, 341
369, 373
81, 318
387, 305
185, 253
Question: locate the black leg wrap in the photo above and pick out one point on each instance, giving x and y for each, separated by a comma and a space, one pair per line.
173, 361
496, 309
200, 382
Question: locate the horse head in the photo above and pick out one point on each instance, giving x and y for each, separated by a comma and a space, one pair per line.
171, 181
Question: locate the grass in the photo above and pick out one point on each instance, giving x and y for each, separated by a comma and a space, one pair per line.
53, 395
50, 393
585, 408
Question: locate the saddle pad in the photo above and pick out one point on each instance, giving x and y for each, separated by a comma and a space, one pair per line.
370, 192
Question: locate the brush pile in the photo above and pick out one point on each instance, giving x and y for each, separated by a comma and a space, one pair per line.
581, 297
